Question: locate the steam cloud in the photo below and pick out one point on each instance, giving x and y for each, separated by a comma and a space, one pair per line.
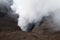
32, 11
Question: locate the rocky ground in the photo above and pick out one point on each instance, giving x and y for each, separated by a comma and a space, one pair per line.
10, 31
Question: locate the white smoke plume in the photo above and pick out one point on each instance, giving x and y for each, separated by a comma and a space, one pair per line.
32, 11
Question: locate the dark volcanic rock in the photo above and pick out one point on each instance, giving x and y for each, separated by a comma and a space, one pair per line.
8, 19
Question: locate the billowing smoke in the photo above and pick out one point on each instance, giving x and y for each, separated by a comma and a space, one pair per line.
6, 11
32, 11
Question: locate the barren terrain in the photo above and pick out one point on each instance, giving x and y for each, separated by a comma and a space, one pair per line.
10, 31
